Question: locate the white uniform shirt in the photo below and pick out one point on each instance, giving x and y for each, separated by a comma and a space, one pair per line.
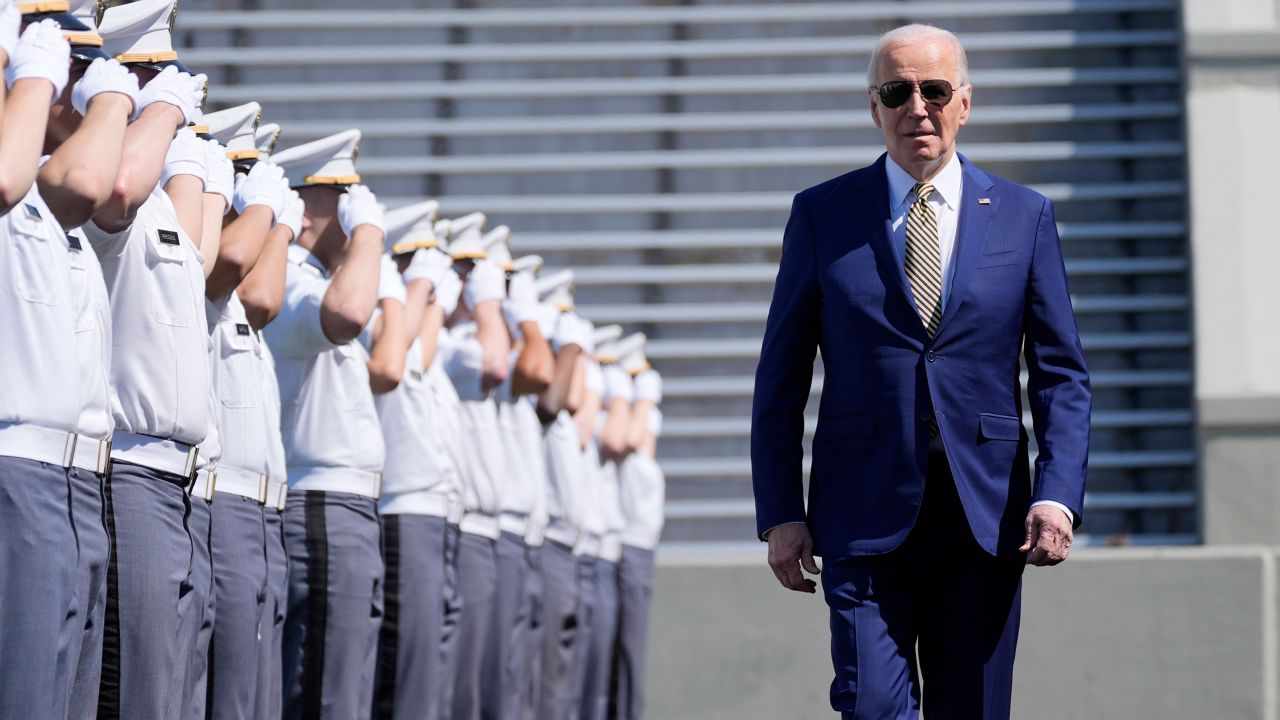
533, 450
591, 502
328, 419
417, 460
93, 338
515, 488
642, 488
276, 469
40, 364
239, 365
565, 479
611, 513
446, 421
481, 441
159, 344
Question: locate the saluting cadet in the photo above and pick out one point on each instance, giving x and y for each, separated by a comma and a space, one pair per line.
237, 540
40, 408
418, 488
85, 132
611, 443
159, 375
476, 359
643, 493
332, 439
532, 368
561, 618
261, 293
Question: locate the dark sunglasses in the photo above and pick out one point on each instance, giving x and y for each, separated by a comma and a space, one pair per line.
896, 92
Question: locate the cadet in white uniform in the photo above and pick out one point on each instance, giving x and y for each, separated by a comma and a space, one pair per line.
561, 619
160, 382
262, 293
100, 89
237, 539
532, 369
476, 359
418, 489
642, 498
40, 407
332, 438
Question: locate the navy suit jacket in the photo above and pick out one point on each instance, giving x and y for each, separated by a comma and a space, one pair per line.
841, 289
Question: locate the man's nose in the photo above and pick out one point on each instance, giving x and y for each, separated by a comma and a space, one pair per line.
915, 104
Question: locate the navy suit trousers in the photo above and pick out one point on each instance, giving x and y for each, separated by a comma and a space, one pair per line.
938, 608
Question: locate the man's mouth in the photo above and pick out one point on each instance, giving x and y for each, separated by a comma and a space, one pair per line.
918, 133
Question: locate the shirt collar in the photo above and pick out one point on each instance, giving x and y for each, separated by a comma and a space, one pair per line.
299, 255
946, 183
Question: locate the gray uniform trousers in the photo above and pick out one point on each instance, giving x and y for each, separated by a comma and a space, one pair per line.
635, 587
238, 547
586, 572
560, 632
335, 605
39, 589
477, 577
411, 643
199, 623
531, 676
268, 698
454, 607
506, 652
145, 651
599, 667
88, 510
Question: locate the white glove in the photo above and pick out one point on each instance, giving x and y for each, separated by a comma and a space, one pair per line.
187, 156
548, 317
390, 286
522, 298
264, 185
181, 90
220, 175
573, 330
447, 292
10, 23
429, 263
593, 379
104, 76
486, 281
41, 52
291, 215
648, 386
359, 206
617, 384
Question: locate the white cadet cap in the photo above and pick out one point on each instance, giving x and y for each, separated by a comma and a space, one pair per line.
527, 263
605, 334
497, 247
467, 243
138, 31
266, 137
615, 351
78, 22
635, 361
327, 161
86, 11
235, 128
410, 227
557, 290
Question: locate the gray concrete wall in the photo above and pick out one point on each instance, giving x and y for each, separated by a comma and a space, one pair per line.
1175, 634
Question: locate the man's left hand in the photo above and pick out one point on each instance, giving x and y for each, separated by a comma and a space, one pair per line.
1049, 536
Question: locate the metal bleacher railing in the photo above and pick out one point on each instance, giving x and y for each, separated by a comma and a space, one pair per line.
655, 149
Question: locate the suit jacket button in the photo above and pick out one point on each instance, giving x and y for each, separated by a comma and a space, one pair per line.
930, 356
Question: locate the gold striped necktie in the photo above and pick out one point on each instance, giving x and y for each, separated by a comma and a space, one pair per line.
924, 259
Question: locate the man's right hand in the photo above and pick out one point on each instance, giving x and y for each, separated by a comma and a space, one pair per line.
790, 549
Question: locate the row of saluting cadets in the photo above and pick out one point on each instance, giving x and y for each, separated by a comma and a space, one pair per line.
267, 449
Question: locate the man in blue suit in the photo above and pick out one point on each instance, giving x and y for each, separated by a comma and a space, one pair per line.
922, 279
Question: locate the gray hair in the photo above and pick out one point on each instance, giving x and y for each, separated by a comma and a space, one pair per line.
914, 33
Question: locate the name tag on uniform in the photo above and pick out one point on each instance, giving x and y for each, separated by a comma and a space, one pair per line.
168, 237
242, 329
73, 241
33, 212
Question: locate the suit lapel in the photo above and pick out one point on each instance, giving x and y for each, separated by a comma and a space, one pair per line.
971, 234
872, 216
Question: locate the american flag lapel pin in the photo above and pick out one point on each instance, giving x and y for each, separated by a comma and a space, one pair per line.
984, 201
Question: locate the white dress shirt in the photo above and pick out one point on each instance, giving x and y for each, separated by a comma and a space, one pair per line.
481, 439
39, 367
330, 428
238, 379
414, 477
160, 341
93, 338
